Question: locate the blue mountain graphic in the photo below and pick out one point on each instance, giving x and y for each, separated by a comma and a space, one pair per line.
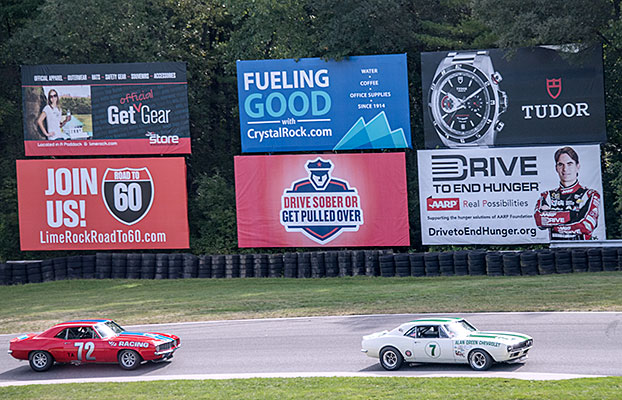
376, 134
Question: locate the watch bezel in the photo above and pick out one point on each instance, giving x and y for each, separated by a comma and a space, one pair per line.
491, 106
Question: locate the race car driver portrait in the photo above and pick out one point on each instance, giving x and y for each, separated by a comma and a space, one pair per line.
569, 211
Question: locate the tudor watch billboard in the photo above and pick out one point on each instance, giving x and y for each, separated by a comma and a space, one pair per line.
515, 97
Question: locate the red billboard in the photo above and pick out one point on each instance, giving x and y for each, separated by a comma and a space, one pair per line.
102, 204
322, 200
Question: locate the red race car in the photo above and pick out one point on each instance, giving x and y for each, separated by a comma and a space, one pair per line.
92, 341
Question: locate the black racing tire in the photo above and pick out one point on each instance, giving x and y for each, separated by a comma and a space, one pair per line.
40, 360
480, 360
391, 359
129, 359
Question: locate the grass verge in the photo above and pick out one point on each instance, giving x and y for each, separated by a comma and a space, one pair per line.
34, 307
330, 388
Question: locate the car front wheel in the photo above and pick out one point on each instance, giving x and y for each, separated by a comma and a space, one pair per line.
480, 360
40, 361
391, 359
129, 359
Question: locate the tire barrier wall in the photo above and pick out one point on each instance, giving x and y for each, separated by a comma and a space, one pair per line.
312, 265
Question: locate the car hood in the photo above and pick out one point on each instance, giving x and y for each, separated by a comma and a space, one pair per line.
375, 335
504, 337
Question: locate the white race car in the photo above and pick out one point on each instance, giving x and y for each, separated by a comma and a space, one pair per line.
445, 340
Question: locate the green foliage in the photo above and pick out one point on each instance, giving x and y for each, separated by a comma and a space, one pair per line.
210, 35
76, 105
212, 216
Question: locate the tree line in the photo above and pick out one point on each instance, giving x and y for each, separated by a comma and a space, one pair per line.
211, 35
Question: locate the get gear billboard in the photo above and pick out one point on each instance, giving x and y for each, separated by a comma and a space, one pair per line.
105, 109
519, 97
102, 204
323, 200
514, 195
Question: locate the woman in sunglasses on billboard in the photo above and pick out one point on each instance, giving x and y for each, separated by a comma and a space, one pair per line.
53, 116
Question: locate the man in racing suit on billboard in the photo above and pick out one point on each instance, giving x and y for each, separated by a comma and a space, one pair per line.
571, 210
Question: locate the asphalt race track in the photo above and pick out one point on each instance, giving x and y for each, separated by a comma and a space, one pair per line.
566, 345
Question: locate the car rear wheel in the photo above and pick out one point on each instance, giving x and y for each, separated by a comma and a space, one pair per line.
480, 360
40, 360
129, 359
391, 359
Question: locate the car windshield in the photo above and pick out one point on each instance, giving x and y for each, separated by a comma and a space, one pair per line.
109, 328
459, 328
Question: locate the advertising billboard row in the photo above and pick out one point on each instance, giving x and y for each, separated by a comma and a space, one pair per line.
518, 97
511, 195
102, 204
105, 109
311, 104
322, 200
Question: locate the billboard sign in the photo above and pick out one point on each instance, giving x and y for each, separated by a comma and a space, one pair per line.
102, 204
97, 109
520, 97
311, 104
511, 195
322, 200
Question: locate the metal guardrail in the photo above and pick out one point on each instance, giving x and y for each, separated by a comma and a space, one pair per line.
557, 244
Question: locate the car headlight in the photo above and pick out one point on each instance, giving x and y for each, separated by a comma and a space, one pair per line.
510, 348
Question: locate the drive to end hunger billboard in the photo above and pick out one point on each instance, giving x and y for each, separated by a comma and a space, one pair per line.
511, 195
310, 104
105, 109
102, 204
322, 200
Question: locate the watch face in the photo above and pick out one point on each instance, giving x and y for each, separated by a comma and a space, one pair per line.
462, 101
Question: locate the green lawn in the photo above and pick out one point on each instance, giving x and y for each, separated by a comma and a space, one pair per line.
329, 388
34, 307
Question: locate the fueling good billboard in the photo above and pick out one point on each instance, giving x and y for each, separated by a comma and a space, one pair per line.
310, 104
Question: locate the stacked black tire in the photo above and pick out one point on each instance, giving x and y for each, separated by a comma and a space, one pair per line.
312, 264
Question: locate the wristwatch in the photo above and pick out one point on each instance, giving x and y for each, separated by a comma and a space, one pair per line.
465, 100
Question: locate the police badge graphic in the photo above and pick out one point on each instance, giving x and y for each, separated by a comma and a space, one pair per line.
128, 193
320, 206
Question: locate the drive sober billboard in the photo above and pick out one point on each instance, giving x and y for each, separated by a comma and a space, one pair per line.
517, 98
312, 104
322, 200
102, 204
510, 195
105, 109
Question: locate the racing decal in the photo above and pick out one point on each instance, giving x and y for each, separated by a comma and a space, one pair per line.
128, 193
433, 350
89, 347
478, 343
122, 343
320, 206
